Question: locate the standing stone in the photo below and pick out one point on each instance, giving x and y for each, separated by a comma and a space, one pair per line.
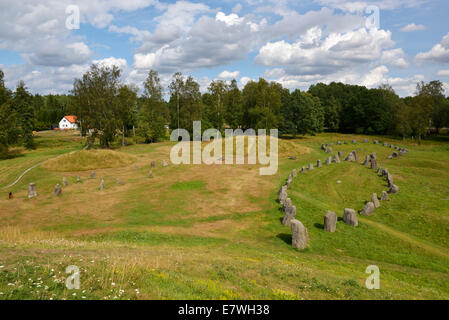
385, 196
150, 174
365, 140
329, 160
339, 143
282, 195
355, 155
395, 155
102, 185
375, 200
385, 144
329, 150
394, 189
32, 190
390, 180
376, 141
340, 154
92, 175
294, 173
368, 209
287, 203
354, 141
289, 181
153, 164
310, 166
385, 172
324, 146
58, 190
65, 183
373, 164
330, 221
350, 217
119, 181
78, 179
379, 170
336, 159
290, 214
318, 164
164, 163
299, 235
366, 161
303, 169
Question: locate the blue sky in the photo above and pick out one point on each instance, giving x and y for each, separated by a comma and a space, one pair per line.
297, 43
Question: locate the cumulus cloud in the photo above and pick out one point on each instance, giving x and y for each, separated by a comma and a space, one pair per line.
357, 5
395, 58
312, 54
438, 54
413, 27
229, 74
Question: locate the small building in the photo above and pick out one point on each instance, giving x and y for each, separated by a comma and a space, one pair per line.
68, 122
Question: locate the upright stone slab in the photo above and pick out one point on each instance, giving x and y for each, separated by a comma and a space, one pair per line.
376, 141
340, 154
92, 175
350, 217
102, 185
318, 164
78, 179
355, 155
290, 214
354, 141
375, 200
324, 147
300, 236
153, 164
395, 155
379, 170
330, 221
164, 163
294, 173
339, 143
394, 189
287, 203
367, 158
368, 209
390, 180
65, 183
282, 196
329, 160
329, 150
150, 174
310, 166
336, 159
385, 196
373, 164
385, 144
303, 169
365, 140
58, 190
32, 192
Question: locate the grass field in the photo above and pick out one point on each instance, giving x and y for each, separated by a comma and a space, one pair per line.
214, 232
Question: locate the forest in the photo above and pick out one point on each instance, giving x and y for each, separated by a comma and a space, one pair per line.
109, 111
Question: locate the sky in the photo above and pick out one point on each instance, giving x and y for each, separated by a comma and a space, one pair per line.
296, 43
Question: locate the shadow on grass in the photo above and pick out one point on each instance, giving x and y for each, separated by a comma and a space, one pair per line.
319, 226
287, 238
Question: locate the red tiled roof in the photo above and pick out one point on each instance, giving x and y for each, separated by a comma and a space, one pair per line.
71, 119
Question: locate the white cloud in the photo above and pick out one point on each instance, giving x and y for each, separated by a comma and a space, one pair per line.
413, 27
111, 61
395, 58
357, 5
443, 73
313, 55
229, 74
438, 54
230, 20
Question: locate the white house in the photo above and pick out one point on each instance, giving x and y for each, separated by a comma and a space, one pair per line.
68, 122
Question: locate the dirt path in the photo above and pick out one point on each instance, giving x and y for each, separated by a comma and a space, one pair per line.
403, 236
21, 176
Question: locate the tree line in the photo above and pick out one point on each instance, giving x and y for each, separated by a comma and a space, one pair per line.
108, 109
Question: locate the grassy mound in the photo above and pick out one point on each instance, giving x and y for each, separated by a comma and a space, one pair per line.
89, 160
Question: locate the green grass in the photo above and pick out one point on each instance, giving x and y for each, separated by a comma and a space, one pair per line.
215, 232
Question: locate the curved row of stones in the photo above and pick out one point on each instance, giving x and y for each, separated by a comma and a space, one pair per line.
299, 231
32, 190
